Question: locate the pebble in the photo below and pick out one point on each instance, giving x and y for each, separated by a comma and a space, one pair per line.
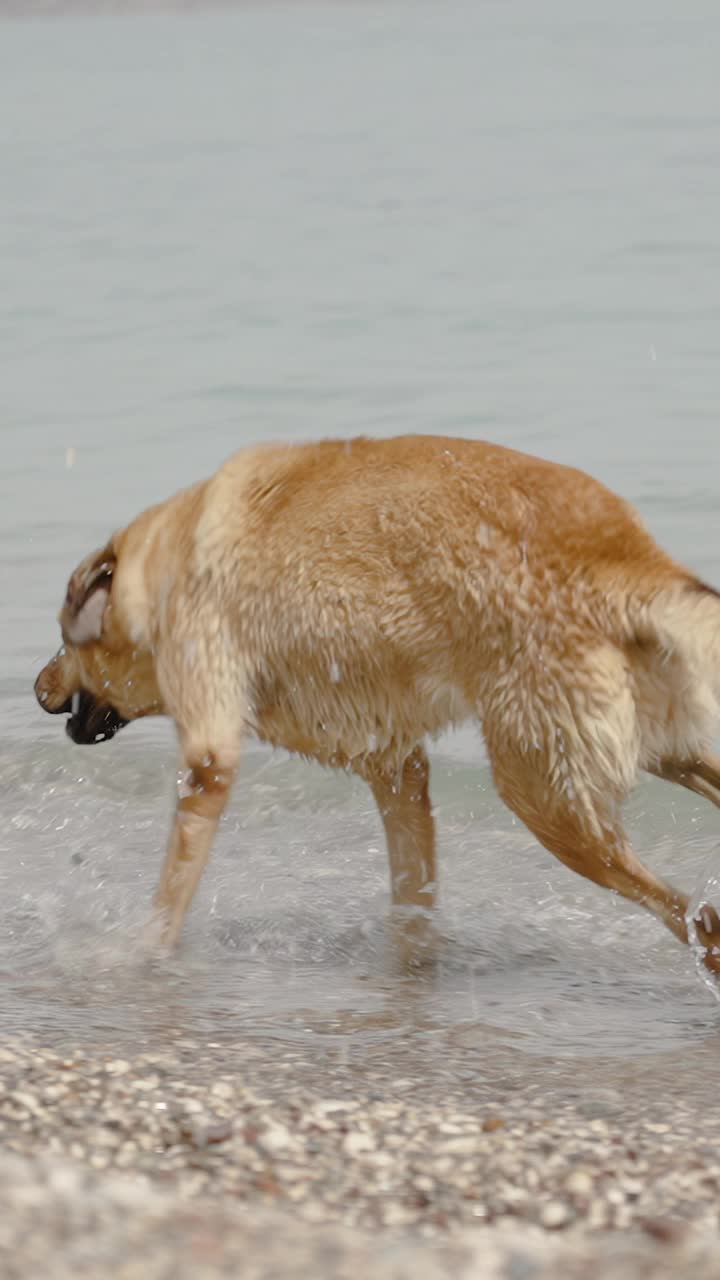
459, 1146
26, 1100
579, 1183
221, 1089
274, 1140
355, 1144
492, 1123
555, 1214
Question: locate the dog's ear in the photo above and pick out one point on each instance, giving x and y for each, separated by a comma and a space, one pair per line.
88, 593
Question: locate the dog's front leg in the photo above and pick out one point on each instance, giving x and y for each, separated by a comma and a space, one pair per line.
203, 789
403, 798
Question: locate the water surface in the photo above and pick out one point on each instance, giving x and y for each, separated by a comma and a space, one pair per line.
285, 221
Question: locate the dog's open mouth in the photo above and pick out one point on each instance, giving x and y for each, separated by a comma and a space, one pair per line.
91, 721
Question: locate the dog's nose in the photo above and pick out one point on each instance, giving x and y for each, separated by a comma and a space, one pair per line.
43, 692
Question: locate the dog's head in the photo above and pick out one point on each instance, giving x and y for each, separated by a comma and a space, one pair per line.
99, 678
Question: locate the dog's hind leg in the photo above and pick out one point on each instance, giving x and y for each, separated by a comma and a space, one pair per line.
403, 798
585, 833
700, 775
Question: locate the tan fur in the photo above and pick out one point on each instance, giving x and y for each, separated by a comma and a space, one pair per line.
345, 600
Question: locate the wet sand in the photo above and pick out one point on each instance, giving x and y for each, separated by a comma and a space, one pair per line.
452, 1156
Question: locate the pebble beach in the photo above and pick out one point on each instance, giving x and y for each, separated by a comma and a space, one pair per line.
201, 1158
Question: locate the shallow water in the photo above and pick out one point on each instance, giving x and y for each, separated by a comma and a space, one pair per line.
289, 934
279, 222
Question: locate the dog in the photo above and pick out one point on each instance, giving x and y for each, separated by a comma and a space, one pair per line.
348, 600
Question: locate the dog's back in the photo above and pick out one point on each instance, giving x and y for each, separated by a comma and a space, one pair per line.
528, 589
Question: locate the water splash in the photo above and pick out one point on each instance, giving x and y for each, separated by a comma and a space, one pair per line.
707, 890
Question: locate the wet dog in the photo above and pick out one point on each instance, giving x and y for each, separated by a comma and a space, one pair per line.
346, 600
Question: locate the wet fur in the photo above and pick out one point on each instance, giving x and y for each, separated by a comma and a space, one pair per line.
345, 600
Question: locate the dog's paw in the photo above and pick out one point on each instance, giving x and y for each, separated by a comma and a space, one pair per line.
155, 942
705, 925
414, 939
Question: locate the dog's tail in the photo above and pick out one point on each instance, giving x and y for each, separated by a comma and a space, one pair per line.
672, 639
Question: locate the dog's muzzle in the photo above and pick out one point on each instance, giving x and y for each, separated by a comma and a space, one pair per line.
92, 721
89, 721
